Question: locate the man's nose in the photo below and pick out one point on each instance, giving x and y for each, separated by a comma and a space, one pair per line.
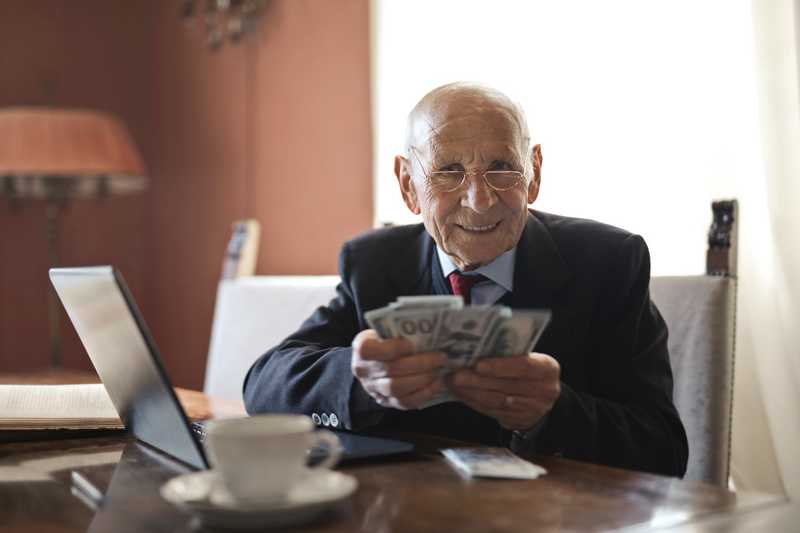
478, 196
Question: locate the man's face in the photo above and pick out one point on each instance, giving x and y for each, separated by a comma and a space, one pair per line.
475, 223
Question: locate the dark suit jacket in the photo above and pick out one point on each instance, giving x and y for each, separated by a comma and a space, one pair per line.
615, 405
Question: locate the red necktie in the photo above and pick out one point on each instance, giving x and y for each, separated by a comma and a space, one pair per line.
462, 285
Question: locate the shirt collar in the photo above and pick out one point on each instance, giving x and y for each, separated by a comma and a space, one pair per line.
500, 271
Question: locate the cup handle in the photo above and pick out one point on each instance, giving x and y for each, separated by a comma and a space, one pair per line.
334, 448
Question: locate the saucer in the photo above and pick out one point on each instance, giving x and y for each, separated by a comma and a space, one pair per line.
201, 495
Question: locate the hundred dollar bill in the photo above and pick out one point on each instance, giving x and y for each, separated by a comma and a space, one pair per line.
465, 334
514, 335
377, 318
462, 331
541, 320
380, 321
418, 325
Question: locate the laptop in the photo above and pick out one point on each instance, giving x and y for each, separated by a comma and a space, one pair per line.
123, 353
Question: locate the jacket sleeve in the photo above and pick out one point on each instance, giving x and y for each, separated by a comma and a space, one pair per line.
627, 417
309, 372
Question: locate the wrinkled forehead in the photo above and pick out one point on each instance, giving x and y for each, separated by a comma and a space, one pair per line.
468, 126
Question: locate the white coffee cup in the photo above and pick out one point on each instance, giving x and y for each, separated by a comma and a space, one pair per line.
259, 458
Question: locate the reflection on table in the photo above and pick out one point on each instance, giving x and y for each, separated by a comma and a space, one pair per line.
419, 492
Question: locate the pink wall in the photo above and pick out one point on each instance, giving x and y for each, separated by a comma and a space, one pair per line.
89, 56
277, 129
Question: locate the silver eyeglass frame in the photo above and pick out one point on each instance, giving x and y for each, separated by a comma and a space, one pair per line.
521, 177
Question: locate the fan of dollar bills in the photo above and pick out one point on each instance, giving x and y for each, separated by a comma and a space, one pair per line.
465, 334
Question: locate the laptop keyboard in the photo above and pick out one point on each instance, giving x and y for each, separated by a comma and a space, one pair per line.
199, 431
352, 446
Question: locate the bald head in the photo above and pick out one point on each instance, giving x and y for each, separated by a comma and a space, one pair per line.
465, 131
460, 99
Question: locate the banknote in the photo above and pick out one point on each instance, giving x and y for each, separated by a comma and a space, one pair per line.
420, 326
466, 334
462, 332
514, 335
380, 321
491, 462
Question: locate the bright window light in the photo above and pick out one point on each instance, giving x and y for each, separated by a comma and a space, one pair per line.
646, 110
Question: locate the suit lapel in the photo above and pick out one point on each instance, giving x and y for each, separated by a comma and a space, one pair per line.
418, 269
539, 270
440, 286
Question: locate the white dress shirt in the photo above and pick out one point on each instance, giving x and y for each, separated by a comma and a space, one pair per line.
499, 274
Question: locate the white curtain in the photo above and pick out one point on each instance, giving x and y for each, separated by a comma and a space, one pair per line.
767, 394
646, 111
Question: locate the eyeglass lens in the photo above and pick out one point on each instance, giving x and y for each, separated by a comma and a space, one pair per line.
500, 180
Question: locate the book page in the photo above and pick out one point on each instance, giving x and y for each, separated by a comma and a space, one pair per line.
56, 406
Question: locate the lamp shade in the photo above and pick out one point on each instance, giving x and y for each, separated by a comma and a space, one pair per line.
62, 153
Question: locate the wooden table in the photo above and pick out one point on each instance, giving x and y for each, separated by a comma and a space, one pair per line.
412, 493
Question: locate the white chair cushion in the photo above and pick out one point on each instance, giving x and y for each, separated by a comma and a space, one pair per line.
253, 314
699, 311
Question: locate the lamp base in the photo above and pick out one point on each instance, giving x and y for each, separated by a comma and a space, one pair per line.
53, 311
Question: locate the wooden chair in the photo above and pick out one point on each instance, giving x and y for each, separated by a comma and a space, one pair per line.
700, 314
253, 313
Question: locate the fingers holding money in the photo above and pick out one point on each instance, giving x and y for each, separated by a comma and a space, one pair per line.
495, 400
410, 365
375, 357
405, 392
516, 391
368, 345
392, 374
469, 379
537, 366
535, 375
512, 412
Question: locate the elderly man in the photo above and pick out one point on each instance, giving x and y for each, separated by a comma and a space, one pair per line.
599, 387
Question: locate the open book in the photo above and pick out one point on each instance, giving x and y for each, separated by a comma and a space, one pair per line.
33, 407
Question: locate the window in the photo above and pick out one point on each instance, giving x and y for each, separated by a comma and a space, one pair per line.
646, 111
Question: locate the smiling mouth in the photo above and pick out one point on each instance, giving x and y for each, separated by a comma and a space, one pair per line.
478, 229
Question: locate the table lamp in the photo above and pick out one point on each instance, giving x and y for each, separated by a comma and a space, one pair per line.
54, 155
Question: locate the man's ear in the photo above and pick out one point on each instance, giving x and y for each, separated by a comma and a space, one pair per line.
402, 169
533, 186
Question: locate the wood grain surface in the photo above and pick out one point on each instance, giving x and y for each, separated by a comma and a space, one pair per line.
415, 492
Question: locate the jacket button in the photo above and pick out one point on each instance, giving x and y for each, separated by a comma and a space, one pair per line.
334, 420
325, 420
315, 418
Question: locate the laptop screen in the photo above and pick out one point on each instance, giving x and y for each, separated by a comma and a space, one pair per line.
125, 357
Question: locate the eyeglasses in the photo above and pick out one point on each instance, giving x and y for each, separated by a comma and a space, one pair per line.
451, 180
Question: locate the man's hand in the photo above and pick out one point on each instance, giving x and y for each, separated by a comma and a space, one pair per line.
393, 374
516, 391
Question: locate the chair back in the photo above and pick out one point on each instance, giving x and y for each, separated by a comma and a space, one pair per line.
700, 314
253, 314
